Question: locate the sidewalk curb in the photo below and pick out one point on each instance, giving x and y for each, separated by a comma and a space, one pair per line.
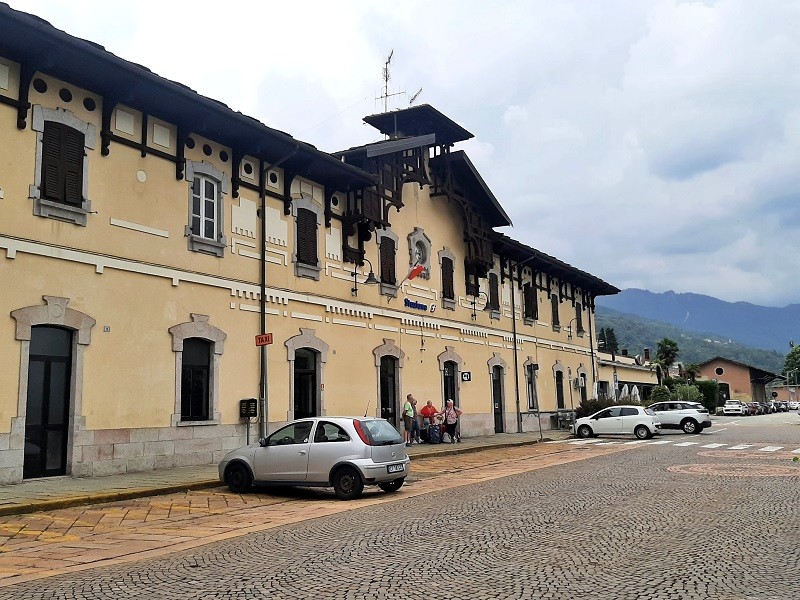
103, 497
453, 449
130, 494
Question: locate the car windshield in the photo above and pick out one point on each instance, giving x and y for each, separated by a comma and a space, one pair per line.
650, 412
381, 432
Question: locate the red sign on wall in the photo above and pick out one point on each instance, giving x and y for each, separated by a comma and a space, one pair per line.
265, 339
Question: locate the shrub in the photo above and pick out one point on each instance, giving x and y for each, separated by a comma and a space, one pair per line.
709, 390
591, 406
660, 394
687, 393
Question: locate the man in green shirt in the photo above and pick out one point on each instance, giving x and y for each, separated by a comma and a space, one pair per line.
408, 417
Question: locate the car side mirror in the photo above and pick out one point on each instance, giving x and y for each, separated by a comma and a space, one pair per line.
262, 442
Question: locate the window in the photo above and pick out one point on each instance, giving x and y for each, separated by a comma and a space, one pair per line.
629, 412
329, 432
296, 433
388, 251
308, 216
471, 279
530, 306
205, 229
494, 292
62, 164
554, 306
530, 374
719, 370
60, 183
582, 384
306, 237
579, 318
195, 380
447, 279
419, 249
560, 390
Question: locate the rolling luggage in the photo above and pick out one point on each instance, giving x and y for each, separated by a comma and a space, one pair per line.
434, 434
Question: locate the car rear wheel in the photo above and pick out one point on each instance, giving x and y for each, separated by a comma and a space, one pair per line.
238, 478
584, 431
642, 432
392, 486
690, 426
347, 484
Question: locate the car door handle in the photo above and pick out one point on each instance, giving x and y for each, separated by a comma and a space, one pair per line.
302, 451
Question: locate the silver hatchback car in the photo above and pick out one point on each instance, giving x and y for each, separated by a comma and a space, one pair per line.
346, 453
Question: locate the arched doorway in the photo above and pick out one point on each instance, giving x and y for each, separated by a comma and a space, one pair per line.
388, 389
497, 397
48, 402
305, 383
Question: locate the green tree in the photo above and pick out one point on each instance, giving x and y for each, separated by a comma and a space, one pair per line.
601, 339
691, 371
710, 392
791, 366
660, 394
687, 393
611, 341
667, 352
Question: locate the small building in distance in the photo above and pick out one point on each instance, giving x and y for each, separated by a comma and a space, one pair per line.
738, 381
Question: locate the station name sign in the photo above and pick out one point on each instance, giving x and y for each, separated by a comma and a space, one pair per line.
418, 305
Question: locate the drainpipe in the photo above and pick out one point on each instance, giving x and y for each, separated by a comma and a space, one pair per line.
263, 387
514, 337
591, 345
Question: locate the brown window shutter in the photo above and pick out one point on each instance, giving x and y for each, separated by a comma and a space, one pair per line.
530, 302
447, 279
51, 162
494, 295
307, 237
388, 274
72, 158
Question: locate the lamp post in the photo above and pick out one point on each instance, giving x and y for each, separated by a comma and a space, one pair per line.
371, 279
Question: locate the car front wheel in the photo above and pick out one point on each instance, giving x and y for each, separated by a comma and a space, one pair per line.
642, 432
584, 431
392, 486
238, 478
690, 426
347, 484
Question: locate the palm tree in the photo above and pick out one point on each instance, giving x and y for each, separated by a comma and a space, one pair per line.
666, 353
691, 371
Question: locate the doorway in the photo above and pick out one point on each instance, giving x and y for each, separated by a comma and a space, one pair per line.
497, 397
48, 404
388, 385
305, 383
450, 381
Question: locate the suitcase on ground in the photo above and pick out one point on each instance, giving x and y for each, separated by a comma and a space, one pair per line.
434, 434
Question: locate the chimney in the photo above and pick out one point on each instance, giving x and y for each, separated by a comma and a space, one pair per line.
624, 352
647, 354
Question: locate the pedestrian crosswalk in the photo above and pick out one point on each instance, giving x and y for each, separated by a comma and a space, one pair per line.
714, 446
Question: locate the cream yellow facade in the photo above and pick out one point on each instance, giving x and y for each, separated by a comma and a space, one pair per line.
131, 284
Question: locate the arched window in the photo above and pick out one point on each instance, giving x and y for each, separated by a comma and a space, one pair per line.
195, 379
560, 405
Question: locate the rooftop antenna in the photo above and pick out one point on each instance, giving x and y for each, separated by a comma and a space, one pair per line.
414, 97
387, 75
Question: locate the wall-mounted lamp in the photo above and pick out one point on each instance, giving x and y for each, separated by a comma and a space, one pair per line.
371, 279
486, 306
569, 327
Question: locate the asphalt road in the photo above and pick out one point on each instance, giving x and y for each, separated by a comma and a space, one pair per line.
717, 516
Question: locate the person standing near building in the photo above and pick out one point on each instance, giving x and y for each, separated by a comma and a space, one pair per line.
451, 414
428, 414
414, 422
408, 416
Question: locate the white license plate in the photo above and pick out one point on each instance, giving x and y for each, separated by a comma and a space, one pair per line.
396, 468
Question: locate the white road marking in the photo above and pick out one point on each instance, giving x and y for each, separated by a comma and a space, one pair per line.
687, 444
556, 441
660, 442
606, 443
741, 447
580, 442
796, 451
717, 430
635, 442
770, 448
713, 445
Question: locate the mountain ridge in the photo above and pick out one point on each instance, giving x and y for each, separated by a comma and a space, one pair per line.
764, 327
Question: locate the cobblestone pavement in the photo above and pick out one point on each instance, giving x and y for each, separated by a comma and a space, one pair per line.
556, 521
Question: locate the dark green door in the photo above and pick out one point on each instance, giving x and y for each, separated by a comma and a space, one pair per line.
497, 397
47, 412
388, 385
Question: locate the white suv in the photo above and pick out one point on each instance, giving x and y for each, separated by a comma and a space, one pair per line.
692, 417
733, 407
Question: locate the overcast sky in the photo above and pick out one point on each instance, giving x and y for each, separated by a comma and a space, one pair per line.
655, 144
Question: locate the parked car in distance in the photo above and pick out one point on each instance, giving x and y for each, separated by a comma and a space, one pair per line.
753, 408
733, 407
619, 420
764, 408
794, 405
345, 453
691, 417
